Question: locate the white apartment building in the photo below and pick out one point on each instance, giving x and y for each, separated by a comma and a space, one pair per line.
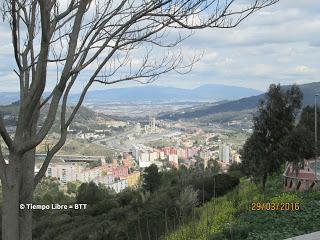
105, 180
118, 186
153, 156
90, 174
173, 158
65, 172
224, 153
161, 155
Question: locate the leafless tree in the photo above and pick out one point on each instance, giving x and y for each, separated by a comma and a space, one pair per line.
88, 41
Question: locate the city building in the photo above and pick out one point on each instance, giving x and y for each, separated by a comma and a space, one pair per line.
236, 158
303, 179
133, 179
153, 156
120, 171
65, 172
173, 160
224, 153
119, 185
104, 180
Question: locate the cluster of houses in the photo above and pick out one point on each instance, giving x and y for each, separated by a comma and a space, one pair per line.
111, 175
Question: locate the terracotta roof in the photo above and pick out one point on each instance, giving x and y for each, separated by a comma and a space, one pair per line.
303, 173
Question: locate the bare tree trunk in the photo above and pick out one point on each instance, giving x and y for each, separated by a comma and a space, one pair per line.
26, 195
264, 181
18, 189
10, 209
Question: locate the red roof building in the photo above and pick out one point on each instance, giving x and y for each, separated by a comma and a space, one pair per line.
301, 180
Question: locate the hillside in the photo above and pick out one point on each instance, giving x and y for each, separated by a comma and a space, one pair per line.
85, 116
135, 213
247, 103
231, 216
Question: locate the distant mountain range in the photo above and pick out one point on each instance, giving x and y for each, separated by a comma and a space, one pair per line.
151, 93
242, 104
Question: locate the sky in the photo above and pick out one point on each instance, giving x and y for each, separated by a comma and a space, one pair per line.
279, 44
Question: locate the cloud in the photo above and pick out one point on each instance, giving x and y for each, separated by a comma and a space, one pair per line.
276, 44
302, 69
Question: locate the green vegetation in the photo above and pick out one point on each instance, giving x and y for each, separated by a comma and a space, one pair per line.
307, 121
277, 137
223, 117
132, 214
152, 178
271, 142
231, 216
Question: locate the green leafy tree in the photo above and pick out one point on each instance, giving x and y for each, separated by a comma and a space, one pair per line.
48, 192
151, 178
72, 187
235, 170
299, 146
213, 167
253, 158
307, 121
263, 153
90, 193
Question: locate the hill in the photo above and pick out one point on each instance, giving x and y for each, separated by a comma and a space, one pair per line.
7, 98
243, 104
84, 116
153, 93
232, 216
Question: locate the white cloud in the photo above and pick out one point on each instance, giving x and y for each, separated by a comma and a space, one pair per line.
302, 69
276, 44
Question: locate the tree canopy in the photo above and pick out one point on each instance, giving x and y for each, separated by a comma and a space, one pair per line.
264, 152
151, 178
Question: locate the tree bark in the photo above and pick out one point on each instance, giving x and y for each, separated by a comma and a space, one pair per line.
10, 209
18, 187
26, 195
264, 181
27, 182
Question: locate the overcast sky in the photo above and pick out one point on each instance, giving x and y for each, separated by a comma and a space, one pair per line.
280, 44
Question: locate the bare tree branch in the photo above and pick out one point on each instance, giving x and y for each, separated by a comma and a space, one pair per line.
3, 165
113, 41
5, 135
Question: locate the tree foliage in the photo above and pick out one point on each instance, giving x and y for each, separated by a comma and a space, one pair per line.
89, 193
307, 121
151, 178
134, 214
299, 146
263, 153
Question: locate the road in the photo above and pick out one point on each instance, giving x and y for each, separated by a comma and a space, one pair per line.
121, 142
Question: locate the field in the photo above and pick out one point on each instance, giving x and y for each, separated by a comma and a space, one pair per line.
76, 147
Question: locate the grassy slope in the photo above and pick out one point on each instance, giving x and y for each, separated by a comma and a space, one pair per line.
230, 216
